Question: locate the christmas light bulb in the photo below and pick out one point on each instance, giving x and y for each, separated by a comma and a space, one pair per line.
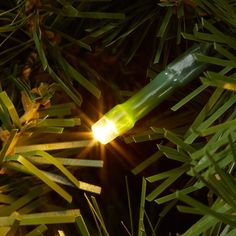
122, 117
118, 120
105, 130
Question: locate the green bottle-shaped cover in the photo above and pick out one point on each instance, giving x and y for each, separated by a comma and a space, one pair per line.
178, 73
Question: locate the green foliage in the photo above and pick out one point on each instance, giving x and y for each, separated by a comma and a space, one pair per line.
46, 81
211, 161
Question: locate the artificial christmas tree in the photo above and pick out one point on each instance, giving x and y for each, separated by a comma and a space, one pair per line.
64, 64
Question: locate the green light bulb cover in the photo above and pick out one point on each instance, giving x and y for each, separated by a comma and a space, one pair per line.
177, 74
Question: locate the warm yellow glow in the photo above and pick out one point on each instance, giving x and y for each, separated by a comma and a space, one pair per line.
104, 130
230, 86
61, 233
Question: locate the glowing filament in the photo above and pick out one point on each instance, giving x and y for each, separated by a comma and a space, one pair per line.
104, 130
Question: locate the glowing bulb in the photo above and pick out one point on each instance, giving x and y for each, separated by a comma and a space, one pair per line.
122, 117
104, 130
